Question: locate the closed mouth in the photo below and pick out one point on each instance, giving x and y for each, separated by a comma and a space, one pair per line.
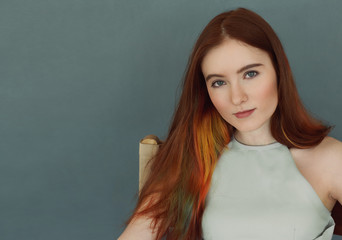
244, 114
244, 111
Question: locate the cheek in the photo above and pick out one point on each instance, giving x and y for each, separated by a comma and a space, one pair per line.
223, 106
268, 94
219, 100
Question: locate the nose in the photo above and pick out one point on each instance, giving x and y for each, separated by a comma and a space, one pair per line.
238, 94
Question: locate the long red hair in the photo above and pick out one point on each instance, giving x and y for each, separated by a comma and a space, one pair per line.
174, 193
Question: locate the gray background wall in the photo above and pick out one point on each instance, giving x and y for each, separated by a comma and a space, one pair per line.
83, 81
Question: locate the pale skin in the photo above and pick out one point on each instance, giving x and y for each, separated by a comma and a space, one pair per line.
232, 91
240, 77
139, 229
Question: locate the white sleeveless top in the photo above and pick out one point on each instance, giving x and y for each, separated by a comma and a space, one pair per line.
257, 192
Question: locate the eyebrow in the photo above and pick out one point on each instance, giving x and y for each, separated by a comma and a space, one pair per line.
238, 71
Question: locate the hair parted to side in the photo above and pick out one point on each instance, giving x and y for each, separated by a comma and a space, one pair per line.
174, 193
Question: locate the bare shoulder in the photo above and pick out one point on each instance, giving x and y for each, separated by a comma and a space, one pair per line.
329, 151
327, 155
332, 142
322, 167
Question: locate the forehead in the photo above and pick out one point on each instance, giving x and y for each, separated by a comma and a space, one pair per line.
231, 55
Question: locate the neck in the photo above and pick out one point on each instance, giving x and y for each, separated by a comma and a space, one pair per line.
255, 137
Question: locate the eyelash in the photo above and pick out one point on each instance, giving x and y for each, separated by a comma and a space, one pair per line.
253, 71
214, 83
244, 75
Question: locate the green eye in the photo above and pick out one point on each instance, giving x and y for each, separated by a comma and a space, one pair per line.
217, 83
251, 74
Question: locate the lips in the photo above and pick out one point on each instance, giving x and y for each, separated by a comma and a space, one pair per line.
244, 114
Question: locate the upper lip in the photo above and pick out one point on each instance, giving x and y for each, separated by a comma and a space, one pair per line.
244, 111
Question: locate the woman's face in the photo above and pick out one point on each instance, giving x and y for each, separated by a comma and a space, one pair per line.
242, 85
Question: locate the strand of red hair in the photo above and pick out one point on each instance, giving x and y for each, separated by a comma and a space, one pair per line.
174, 193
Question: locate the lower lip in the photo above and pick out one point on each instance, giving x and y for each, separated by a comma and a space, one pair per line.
244, 114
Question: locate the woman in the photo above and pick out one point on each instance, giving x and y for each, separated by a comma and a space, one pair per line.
276, 170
